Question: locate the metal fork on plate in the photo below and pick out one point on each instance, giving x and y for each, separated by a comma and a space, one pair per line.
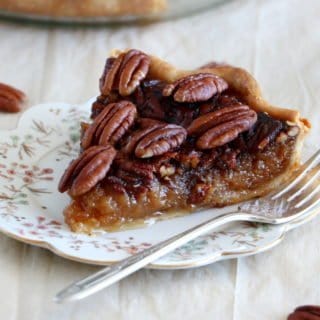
294, 201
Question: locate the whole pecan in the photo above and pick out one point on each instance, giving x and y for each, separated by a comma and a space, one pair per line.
110, 125
305, 313
156, 139
195, 88
11, 99
87, 170
106, 70
124, 73
160, 140
147, 125
222, 126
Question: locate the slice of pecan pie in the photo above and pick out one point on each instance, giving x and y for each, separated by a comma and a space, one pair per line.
168, 140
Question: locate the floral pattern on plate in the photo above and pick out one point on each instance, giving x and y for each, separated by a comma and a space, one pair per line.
32, 159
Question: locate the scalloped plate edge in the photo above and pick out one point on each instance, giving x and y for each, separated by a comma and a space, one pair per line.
217, 256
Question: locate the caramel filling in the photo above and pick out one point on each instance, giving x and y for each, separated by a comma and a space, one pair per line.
185, 178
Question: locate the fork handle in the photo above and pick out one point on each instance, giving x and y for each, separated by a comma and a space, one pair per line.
109, 275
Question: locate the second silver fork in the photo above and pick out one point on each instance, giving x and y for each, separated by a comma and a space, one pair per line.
294, 201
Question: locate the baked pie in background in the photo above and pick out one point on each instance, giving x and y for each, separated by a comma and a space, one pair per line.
163, 141
83, 8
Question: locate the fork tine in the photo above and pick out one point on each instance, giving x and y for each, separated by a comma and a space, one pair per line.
308, 197
311, 202
305, 168
305, 186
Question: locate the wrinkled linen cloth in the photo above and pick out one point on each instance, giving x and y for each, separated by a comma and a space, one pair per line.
279, 42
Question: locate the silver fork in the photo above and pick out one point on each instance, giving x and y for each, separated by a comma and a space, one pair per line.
294, 201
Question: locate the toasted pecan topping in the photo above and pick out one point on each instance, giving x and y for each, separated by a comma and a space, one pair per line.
110, 125
147, 125
11, 99
151, 123
149, 100
124, 73
109, 70
195, 88
222, 126
160, 140
87, 170
155, 139
264, 132
207, 121
305, 313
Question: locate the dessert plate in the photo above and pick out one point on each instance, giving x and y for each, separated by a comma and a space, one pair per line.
32, 159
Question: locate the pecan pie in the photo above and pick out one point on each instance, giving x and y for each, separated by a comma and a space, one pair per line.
83, 8
164, 140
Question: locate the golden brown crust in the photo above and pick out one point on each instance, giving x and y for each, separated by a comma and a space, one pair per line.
83, 8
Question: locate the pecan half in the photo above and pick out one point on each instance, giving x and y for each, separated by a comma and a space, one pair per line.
106, 70
87, 170
11, 99
110, 125
160, 140
222, 126
147, 125
195, 88
305, 313
124, 73
156, 139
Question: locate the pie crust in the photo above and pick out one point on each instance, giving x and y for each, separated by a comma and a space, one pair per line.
191, 187
84, 8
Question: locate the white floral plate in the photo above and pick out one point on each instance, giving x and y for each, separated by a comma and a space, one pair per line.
32, 159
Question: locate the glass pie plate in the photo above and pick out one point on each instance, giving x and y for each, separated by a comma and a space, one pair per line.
102, 11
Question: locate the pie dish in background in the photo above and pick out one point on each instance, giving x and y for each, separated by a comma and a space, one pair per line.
101, 10
165, 140
84, 8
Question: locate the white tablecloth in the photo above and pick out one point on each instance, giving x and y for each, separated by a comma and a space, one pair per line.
279, 42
